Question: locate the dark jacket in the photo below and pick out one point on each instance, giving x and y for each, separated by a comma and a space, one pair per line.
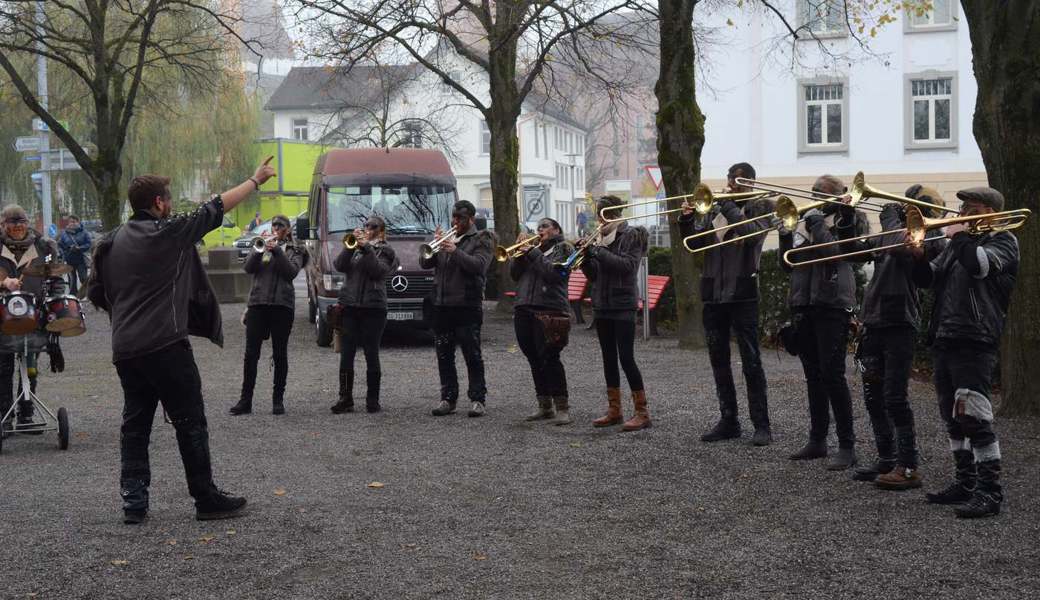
830, 284
366, 268
730, 272
612, 270
459, 277
38, 254
273, 281
149, 278
74, 245
539, 284
973, 279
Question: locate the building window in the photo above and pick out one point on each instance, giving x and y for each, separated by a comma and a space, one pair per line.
299, 129
942, 16
485, 138
824, 18
931, 110
581, 179
823, 117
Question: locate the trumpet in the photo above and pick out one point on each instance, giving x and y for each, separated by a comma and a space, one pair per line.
917, 228
350, 241
426, 251
703, 200
502, 253
260, 245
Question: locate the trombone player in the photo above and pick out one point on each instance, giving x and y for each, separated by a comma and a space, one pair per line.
972, 279
729, 292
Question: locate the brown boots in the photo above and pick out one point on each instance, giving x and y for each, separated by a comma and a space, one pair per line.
641, 420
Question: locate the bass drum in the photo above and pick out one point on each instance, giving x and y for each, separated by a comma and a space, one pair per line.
19, 315
62, 313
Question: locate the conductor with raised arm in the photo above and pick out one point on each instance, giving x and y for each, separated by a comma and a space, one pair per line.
149, 278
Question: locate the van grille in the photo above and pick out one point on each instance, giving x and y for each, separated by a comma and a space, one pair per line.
419, 285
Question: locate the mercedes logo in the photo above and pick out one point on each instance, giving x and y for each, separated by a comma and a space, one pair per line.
399, 283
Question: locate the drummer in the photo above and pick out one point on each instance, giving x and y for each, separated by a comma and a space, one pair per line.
21, 246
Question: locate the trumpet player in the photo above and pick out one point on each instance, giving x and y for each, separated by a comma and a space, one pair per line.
972, 279
363, 302
541, 317
460, 263
729, 292
270, 310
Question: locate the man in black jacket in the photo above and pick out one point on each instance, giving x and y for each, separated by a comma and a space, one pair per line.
460, 266
973, 279
149, 278
729, 292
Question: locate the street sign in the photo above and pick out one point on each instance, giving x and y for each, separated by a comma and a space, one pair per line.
32, 157
39, 125
26, 144
61, 160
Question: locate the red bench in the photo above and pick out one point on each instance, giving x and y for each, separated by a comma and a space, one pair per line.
576, 285
656, 285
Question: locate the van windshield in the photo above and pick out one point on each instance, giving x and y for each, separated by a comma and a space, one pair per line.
406, 209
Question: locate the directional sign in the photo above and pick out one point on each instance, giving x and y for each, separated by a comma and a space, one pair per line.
33, 157
26, 144
61, 160
39, 125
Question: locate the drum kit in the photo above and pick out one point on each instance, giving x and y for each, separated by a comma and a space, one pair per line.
25, 328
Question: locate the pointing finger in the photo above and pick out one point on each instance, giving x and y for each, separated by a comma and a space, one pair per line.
268, 161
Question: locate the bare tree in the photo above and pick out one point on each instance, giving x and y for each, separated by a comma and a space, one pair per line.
114, 49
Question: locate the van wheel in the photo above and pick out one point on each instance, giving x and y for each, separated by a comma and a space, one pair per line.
324, 332
312, 310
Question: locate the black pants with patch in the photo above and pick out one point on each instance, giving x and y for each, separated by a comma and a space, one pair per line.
459, 327
617, 338
264, 322
361, 327
740, 318
823, 335
885, 357
550, 378
170, 376
963, 374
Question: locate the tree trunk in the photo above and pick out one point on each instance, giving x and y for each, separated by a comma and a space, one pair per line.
1005, 40
107, 176
505, 152
680, 138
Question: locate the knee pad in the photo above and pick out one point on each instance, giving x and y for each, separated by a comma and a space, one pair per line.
969, 403
986, 453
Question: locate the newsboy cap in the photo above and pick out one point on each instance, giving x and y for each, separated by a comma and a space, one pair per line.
983, 195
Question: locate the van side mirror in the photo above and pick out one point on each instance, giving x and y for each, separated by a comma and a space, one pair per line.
303, 228
481, 223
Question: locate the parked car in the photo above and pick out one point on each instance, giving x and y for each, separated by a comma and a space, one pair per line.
225, 235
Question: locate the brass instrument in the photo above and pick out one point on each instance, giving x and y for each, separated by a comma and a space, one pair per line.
703, 200
502, 253
260, 245
917, 228
786, 213
859, 192
426, 251
577, 257
350, 241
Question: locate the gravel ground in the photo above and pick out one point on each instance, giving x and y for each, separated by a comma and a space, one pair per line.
493, 507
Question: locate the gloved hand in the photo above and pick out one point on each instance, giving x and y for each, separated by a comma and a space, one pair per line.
54, 353
893, 212
814, 218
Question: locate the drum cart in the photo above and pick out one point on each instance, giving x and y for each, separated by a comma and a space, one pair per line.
24, 347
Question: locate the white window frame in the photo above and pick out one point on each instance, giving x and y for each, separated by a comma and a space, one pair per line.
807, 10
803, 145
535, 124
910, 27
908, 111
485, 138
300, 132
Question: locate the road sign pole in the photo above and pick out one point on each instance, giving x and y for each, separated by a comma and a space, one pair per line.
45, 145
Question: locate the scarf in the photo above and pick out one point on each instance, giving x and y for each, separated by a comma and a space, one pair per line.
18, 247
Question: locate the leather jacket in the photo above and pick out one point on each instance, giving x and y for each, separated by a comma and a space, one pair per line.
460, 276
366, 268
612, 270
273, 280
539, 284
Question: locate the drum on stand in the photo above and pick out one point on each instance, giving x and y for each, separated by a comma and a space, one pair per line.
19, 315
63, 314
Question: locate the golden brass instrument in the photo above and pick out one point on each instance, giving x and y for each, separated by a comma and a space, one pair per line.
426, 251
786, 213
917, 228
350, 241
703, 200
502, 253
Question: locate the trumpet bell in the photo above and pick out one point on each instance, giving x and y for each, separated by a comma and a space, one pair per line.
426, 251
259, 244
350, 241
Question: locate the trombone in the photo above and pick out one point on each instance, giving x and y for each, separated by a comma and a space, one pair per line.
917, 228
703, 200
502, 253
787, 213
427, 250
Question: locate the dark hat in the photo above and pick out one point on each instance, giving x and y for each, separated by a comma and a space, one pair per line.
282, 219
926, 194
983, 195
13, 211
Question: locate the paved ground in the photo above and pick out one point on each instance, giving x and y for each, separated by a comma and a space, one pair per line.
492, 507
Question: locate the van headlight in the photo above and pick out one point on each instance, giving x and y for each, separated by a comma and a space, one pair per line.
332, 282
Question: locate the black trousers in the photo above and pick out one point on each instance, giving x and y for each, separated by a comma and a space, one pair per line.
459, 328
550, 378
79, 269
885, 357
963, 374
361, 327
262, 322
617, 340
169, 376
823, 335
740, 318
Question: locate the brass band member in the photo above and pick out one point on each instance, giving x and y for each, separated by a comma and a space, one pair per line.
541, 318
363, 303
973, 279
729, 291
460, 267
611, 265
149, 278
822, 298
271, 307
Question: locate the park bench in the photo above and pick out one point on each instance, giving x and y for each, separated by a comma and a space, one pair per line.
656, 285
576, 285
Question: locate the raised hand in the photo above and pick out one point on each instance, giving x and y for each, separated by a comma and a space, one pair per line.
265, 171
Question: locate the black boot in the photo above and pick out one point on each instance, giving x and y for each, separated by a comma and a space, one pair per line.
244, 406
372, 394
278, 403
345, 405
812, 450
218, 504
988, 495
725, 429
962, 488
870, 472
844, 459
135, 501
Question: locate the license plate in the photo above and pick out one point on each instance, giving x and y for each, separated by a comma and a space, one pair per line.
400, 316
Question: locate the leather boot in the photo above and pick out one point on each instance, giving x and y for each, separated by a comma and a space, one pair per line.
988, 495
640, 420
725, 429
812, 450
844, 459
870, 472
545, 409
244, 406
613, 416
963, 487
562, 415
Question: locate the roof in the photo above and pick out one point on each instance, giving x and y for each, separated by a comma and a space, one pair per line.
344, 166
332, 88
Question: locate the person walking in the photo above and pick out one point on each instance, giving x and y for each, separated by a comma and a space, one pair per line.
74, 244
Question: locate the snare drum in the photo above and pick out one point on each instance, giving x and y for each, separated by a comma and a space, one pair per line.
19, 315
78, 329
62, 313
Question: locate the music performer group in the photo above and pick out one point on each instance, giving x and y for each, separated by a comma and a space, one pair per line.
162, 296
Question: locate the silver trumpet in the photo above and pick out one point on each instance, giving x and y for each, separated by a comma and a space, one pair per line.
426, 251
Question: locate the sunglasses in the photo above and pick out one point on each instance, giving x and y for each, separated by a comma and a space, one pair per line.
372, 226
277, 226
16, 221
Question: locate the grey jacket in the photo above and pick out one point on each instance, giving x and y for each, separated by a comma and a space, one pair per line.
830, 284
459, 277
612, 270
367, 269
973, 279
273, 281
150, 279
539, 284
730, 272
43, 250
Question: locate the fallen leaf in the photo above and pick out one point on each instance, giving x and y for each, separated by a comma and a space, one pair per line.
376, 485
479, 556
120, 562
231, 532
512, 348
188, 557
279, 491
80, 435
206, 539
575, 444
171, 542
408, 546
